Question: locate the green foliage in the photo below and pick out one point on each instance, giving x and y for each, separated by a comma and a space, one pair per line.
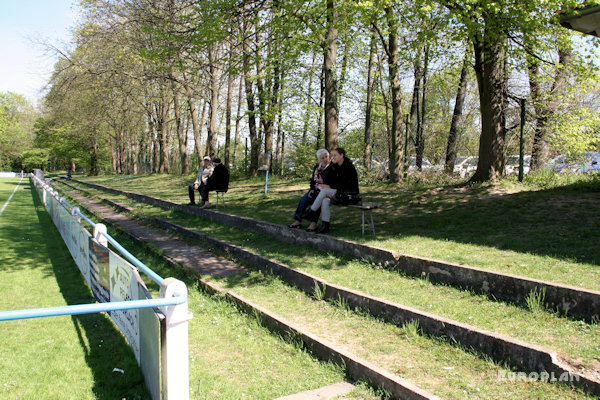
577, 131
304, 159
16, 122
35, 158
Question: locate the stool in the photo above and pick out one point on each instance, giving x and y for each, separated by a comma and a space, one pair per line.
222, 195
364, 206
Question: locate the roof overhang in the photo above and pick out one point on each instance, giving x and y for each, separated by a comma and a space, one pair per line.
585, 20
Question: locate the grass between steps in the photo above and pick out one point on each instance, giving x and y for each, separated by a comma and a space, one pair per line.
435, 365
576, 341
541, 230
345, 269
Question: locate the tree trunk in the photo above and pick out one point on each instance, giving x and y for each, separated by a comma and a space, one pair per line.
309, 99
254, 145
490, 69
546, 108
238, 118
181, 134
194, 117
395, 136
211, 139
280, 133
369, 105
321, 112
198, 140
329, 66
230, 79
455, 124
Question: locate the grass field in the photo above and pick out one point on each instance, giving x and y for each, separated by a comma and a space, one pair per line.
433, 364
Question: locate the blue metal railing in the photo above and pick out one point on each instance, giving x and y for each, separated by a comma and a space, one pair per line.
89, 308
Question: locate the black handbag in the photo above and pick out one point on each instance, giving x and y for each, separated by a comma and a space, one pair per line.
346, 198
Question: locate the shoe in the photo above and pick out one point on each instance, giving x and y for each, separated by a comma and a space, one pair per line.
324, 228
311, 230
191, 203
295, 226
200, 203
205, 205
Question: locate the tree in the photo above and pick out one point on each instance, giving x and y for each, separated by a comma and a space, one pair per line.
16, 128
491, 27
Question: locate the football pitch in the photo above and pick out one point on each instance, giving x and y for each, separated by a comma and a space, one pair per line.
65, 357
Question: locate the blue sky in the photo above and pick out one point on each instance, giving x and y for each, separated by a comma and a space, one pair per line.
24, 65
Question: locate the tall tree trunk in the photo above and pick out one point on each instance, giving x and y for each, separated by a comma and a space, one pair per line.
329, 66
396, 91
230, 79
369, 105
94, 154
181, 134
254, 143
321, 112
280, 133
211, 139
198, 140
546, 108
455, 124
415, 106
490, 69
165, 166
238, 118
307, 111
113, 153
420, 146
194, 117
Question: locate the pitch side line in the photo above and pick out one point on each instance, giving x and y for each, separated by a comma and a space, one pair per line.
10, 197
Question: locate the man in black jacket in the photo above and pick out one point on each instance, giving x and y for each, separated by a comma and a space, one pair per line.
219, 180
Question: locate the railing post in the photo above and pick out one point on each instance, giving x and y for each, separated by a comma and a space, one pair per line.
99, 230
75, 213
175, 351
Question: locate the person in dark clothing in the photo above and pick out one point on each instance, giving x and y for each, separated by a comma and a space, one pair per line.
344, 182
321, 175
218, 180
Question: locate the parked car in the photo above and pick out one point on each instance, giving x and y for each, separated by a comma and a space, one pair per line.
511, 164
465, 165
591, 162
425, 165
588, 162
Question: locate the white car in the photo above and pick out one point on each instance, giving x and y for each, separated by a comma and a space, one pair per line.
465, 165
511, 164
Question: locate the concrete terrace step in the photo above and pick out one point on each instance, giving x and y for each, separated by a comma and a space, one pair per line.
325, 393
573, 301
357, 368
501, 348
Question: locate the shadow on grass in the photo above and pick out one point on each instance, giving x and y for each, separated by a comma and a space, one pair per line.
563, 223
104, 346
